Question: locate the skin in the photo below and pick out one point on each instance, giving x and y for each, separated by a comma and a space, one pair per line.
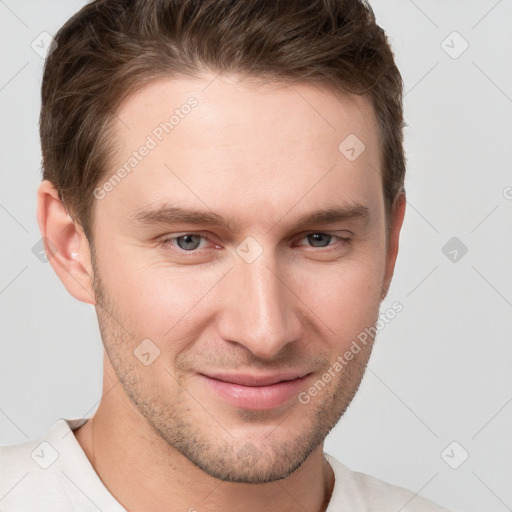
260, 155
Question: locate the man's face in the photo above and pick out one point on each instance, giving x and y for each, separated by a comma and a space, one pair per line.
216, 334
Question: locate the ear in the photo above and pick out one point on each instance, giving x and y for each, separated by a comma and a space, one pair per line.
66, 245
396, 221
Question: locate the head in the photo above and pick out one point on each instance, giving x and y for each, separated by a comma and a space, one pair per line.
255, 115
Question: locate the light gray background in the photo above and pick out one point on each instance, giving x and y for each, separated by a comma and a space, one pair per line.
441, 370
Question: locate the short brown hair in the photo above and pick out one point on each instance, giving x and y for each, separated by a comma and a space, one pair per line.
110, 48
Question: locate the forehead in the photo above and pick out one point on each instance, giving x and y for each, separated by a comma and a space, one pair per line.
217, 142
228, 101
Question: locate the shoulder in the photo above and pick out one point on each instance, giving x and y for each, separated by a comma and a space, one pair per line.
30, 473
361, 492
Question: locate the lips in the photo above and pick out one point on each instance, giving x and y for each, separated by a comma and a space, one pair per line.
256, 380
257, 392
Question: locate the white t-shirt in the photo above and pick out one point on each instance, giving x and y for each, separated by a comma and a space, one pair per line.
53, 474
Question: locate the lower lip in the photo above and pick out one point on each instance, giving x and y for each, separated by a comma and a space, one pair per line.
256, 397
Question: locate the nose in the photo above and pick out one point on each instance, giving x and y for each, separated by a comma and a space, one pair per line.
259, 308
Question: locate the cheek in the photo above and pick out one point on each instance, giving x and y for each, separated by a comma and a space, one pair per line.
155, 300
352, 298
346, 295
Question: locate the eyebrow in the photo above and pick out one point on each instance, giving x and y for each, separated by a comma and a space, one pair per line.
168, 215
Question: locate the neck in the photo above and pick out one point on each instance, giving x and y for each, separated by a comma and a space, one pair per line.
143, 472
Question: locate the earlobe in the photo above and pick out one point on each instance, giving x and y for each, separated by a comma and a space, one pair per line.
397, 219
66, 245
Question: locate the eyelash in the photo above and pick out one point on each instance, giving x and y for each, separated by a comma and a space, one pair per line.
166, 242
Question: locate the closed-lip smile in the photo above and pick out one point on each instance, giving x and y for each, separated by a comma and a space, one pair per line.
255, 391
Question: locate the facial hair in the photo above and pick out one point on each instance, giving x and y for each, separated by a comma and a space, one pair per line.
186, 424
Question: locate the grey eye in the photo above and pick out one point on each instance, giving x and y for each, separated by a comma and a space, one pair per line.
187, 242
319, 239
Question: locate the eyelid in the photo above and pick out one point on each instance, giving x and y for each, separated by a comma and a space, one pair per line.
167, 239
340, 233
343, 240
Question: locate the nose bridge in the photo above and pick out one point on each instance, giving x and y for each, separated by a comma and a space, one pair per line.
260, 312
